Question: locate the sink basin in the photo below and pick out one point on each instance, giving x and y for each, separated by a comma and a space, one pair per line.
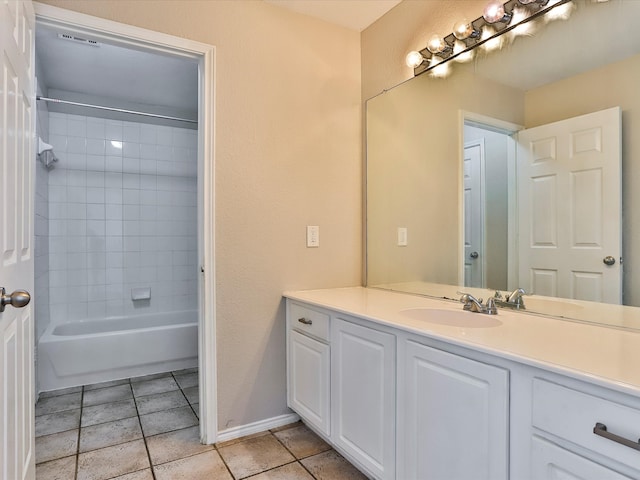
454, 318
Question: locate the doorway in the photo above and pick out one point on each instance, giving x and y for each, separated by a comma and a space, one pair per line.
184, 187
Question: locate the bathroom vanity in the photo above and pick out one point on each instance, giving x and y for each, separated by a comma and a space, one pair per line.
409, 387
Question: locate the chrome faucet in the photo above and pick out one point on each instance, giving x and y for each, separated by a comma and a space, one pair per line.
512, 300
473, 304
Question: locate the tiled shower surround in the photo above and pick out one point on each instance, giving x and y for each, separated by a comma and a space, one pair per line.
122, 215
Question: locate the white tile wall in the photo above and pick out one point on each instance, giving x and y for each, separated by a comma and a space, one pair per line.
122, 209
41, 259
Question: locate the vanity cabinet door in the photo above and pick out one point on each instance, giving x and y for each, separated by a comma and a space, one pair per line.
453, 417
363, 364
309, 380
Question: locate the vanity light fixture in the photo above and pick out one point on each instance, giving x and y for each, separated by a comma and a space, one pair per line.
498, 18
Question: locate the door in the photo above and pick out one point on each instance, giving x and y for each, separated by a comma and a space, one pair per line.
453, 417
17, 161
473, 215
309, 379
569, 209
363, 362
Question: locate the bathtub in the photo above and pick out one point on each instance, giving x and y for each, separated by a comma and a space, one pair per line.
81, 353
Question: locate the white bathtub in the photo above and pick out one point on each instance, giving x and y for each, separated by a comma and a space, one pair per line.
92, 351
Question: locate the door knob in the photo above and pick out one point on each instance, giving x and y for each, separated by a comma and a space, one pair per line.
609, 260
473, 254
17, 299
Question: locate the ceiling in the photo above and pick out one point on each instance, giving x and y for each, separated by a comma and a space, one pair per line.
115, 76
353, 14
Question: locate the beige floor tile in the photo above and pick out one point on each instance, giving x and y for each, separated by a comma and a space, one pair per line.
168, 420
291, 471
57, 422
113, 461
170, 446
139, 475
197, 467
113, 383
107, 395
255, 456
188, 380
110, 433
192, 394
58, 403
287, 426
108, 412
161, 401
57, 445
302, 442
159, 385
153, 376
56, 393
332, 466
61, 469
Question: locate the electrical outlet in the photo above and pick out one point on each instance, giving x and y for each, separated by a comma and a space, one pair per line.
402, 236
313, 236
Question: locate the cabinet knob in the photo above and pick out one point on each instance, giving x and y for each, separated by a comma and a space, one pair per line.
305, 321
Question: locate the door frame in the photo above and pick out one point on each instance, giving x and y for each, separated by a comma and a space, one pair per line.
509, 129
147, 40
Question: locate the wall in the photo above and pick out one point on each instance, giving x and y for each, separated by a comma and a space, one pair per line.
579, 95
288, 154
122, 215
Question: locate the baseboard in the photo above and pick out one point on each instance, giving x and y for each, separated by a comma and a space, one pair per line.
256, 427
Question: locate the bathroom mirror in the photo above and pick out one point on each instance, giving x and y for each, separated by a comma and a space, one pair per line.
415, 145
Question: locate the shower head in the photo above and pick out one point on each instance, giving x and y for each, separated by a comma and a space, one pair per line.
46, 155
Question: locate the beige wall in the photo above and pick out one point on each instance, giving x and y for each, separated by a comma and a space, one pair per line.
288, 154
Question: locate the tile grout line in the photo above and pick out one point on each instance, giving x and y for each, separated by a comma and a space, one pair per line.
79, 432
144, 437
293, 454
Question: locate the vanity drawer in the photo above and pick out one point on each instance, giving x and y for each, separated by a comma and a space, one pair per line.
309, 321
573, 415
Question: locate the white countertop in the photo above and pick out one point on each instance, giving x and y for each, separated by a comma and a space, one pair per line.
599, 354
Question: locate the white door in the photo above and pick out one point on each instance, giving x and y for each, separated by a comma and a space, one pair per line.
453, 417
17, 161
363, 387
309, 380
569, 208
474, 257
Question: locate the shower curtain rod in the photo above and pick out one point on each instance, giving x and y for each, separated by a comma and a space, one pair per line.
111, 109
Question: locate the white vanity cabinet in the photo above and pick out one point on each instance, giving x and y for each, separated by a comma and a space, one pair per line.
453, 416
451, 403
363, 395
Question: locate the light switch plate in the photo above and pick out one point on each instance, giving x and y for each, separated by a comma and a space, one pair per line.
313, 236
402, 236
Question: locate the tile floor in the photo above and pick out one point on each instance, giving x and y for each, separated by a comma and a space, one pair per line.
146, 428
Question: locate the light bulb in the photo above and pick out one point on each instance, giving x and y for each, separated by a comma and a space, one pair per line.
494, 12
414, 59
436, 44
463, 29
